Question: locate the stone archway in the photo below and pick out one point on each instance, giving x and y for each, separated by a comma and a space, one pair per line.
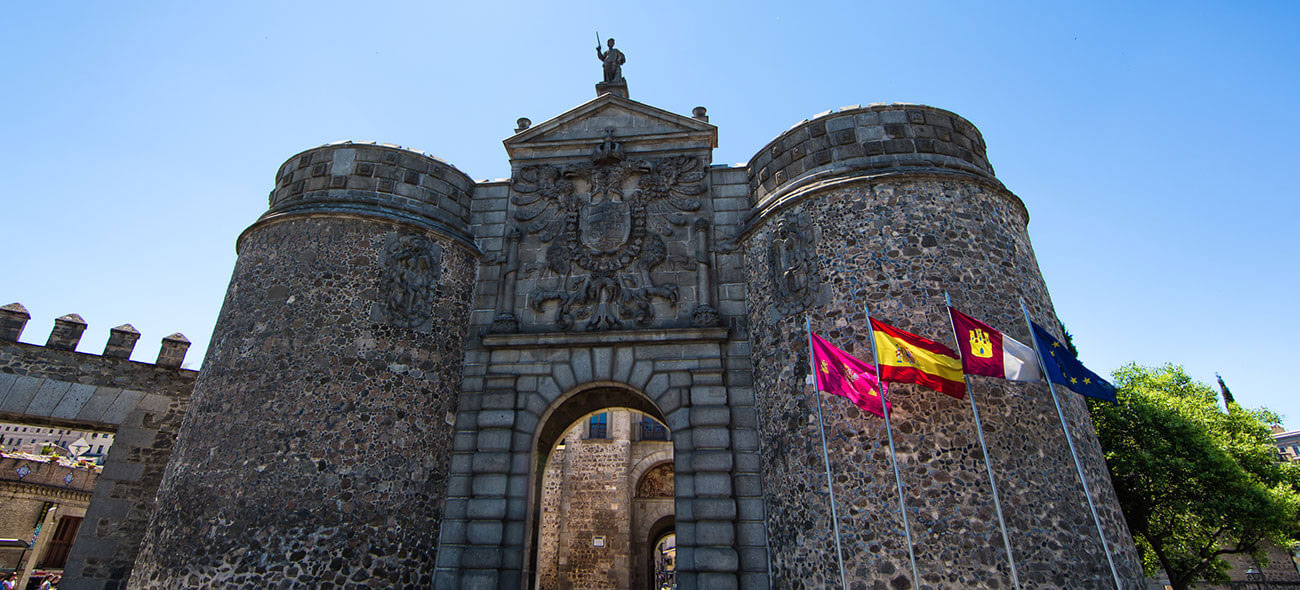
652, 514
585, 522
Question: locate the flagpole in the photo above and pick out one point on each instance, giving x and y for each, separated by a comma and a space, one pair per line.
893, 457
1042, 365
830, 483
997, 505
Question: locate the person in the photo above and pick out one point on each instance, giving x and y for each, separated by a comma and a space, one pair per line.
613, 60
10, 582
49, 583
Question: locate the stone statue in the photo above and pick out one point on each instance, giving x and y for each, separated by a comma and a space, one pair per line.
613, 60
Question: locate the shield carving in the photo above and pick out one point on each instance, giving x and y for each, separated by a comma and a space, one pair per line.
605, 226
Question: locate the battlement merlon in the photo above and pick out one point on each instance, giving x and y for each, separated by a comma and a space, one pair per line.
13, 318
68, 330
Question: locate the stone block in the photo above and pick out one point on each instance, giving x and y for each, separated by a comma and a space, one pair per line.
496, 439
751, 534
712, 484
717, 559
602, 364
713, 509
711, 460
72, 402
641, 372
489, 484
47, 398
452, 532
496, 419
581, 365
484, 532
710, 416
750, 509
492, 462
708, 395
486, 508
756, 580
718, 581
623, 360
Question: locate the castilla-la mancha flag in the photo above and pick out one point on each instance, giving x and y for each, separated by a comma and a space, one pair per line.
905, 357
985, 351
839, 373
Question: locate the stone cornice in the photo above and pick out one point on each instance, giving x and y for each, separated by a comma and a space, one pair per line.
614, 337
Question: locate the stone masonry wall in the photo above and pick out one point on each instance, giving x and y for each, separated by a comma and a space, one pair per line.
143, 403
519, 378
589, 489
896, 242
315, 452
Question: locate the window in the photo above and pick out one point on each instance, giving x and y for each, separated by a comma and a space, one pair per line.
651, 429
598, 426
100, 450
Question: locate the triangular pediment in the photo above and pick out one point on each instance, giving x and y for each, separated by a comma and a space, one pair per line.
633, 123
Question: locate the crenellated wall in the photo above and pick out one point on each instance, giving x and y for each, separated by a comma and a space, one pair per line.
143, 404
401, 349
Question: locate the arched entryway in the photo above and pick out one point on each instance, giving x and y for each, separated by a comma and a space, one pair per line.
602, 482
658, 562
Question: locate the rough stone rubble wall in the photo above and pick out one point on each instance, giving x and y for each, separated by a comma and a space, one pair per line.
895, 239
316, 450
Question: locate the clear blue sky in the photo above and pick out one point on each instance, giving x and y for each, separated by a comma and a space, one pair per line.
1152, 142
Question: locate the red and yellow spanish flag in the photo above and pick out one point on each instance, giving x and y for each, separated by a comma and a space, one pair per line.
907, 358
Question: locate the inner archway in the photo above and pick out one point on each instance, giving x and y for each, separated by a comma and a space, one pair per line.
598, 453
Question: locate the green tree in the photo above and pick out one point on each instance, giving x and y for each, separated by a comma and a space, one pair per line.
1195, 483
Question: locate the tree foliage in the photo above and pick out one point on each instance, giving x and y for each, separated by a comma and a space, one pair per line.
1195, 483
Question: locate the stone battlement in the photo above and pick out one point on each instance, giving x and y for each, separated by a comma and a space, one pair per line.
876, 137
69, 328
375, 180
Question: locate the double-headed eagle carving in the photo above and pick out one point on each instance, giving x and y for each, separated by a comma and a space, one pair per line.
604, 222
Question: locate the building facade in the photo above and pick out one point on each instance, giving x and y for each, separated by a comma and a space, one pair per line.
404, 354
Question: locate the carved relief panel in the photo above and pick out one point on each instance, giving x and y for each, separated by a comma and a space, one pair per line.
605, 240
411, 270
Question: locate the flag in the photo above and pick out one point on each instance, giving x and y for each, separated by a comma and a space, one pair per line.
840, 373
985, 351
1066, 370
907, 358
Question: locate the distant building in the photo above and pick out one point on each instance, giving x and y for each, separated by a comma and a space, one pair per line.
1287, 442
32, 439
42, 502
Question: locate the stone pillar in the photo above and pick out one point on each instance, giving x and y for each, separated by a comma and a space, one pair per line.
890, 205
315, 450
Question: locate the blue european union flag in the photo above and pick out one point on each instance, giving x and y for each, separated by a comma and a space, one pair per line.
1066, 370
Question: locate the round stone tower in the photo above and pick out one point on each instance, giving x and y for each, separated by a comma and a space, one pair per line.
316, 446
890, 205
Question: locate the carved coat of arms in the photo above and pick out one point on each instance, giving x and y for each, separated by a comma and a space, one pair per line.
604, 222
412, 269
792, 263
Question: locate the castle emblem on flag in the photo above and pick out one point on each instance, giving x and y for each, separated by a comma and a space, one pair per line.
980, 345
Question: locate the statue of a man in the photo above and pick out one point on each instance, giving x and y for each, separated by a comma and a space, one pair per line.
613, 60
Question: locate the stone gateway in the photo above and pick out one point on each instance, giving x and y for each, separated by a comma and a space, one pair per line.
404, 354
